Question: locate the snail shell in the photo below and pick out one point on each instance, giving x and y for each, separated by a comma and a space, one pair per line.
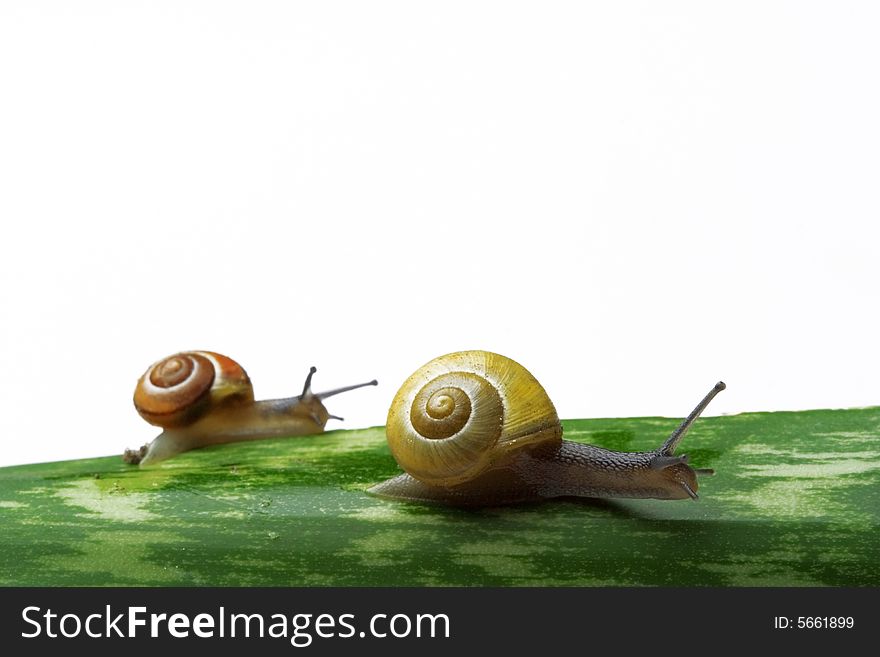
177, 390
465, 412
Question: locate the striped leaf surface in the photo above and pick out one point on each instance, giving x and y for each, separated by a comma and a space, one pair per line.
795, 502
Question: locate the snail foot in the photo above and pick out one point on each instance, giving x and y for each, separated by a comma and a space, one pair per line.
135, 456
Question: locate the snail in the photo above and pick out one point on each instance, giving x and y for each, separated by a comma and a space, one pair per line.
474, 428
203, 398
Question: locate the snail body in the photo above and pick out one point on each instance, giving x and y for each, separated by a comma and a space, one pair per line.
203, 398
476, 428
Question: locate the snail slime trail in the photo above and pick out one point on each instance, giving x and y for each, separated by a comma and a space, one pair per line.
474, 428
202, 398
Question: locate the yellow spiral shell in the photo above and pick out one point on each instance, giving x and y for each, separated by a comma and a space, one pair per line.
461, 413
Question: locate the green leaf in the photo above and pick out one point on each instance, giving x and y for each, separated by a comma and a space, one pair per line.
796, 501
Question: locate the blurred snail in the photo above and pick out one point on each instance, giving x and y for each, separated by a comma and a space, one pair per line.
476, 428
203, 398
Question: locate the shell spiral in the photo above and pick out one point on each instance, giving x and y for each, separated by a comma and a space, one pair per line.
176, 390
462, 413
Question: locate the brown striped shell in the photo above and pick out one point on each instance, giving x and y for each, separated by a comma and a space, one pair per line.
460, 414
176, 390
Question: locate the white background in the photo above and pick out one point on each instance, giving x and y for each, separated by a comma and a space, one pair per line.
633, 199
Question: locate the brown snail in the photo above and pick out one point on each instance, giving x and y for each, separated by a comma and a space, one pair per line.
476, 428
203, 398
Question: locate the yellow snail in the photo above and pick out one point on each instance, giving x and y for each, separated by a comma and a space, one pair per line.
476, 428
203, 398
